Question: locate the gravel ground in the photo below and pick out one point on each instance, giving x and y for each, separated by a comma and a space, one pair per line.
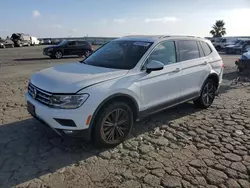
180, 147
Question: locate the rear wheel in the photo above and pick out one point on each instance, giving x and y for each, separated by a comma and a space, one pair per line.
87, 53
58, 54
113, 125
207, 95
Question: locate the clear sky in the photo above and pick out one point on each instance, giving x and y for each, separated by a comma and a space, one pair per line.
64, 18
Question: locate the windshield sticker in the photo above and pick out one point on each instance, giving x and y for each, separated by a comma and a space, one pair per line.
145, 44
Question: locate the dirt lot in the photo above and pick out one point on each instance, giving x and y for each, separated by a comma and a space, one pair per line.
180, 147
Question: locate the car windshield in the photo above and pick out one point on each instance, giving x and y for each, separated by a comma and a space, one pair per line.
240, 42
63, 42
118, 54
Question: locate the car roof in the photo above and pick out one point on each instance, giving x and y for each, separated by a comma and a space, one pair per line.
154, 38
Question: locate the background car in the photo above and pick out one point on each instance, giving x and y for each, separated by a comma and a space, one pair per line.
243, 63
21, 39
242, 46
34, 41
69, 47
55, 41
6, 43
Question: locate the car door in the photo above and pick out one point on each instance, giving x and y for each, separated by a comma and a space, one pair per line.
195, 68
161, 88
70, 48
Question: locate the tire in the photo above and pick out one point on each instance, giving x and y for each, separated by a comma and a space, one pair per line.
87, 53
102, 133
238, 51
207, 95
58, 55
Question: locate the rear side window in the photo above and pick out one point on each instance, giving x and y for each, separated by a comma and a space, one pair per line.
206, 48
188, 50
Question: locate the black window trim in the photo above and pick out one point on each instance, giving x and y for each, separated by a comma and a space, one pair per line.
142, 68
178, 52
208, 47
201, 50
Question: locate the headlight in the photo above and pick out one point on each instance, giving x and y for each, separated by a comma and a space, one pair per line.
1, 44
68, 101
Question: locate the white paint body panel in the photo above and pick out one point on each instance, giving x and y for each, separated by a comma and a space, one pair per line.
148, 90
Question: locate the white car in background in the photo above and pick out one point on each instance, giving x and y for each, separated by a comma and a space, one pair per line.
123, 81
34, 41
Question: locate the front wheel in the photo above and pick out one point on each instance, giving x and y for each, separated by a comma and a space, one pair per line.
58, 55
113, 125
207, 95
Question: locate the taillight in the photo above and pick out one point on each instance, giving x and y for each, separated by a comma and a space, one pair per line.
222, 65
91, 47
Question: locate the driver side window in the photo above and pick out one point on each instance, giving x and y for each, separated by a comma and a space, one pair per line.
72, 43
165, 53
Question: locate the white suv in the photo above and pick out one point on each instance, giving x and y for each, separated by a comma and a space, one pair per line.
127, 79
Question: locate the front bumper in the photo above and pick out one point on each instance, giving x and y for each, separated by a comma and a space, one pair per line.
50, 116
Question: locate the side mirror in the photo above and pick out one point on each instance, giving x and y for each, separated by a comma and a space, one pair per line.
154, 66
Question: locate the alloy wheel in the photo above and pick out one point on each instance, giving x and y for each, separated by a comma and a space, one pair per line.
208, 94
115, 125
58, 54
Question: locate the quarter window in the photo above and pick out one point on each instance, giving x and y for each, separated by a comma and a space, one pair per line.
164, 53
188, 50
206, 48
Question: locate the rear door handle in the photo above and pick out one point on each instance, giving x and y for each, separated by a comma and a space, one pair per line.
205, 63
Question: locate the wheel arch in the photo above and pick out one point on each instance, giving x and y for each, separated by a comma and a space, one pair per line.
116, 97
213, 76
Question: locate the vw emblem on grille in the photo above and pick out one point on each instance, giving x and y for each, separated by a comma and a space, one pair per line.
34, 93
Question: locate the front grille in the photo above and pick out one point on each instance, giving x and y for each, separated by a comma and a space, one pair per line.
39, 95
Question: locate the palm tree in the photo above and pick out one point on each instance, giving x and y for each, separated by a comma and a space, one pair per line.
218, 29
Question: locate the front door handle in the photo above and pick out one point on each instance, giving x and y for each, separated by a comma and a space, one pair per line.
177, 70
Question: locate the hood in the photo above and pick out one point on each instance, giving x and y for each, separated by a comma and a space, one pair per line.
230, 46
71, 77
55, 46
237, 46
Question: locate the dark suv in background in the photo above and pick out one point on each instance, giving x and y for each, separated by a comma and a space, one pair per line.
68, 48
